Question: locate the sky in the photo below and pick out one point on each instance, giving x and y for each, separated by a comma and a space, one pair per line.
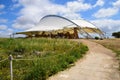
20, 15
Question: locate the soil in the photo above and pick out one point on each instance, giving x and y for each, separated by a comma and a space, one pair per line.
98, 64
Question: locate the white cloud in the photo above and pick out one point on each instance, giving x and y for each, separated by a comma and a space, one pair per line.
21, 26
3, 20
103, 13
108, 12
116, 4
78, 6
9, 31
6, 33
33, 11
99, 3
72, 15
15, 6
107, 25
3, 27
2, 6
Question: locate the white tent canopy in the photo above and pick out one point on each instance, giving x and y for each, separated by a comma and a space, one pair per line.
54, 22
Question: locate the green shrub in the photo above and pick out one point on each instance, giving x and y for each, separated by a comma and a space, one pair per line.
96, 38
52, 65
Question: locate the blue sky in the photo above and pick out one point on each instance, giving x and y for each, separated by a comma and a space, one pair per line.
20, 15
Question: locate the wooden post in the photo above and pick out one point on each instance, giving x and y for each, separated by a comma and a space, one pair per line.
11, 69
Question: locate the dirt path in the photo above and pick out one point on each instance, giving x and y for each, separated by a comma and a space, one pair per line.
98, 64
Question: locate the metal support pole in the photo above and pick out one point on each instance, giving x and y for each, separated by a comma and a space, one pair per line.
11, 69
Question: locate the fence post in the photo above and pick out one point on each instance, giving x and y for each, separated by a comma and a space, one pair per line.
11, 69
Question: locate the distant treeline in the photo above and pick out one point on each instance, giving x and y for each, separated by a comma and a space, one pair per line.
116, 34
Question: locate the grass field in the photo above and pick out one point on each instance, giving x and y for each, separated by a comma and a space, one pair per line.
113, 44
43, 57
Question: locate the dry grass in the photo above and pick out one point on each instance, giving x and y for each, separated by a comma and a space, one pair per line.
113, 44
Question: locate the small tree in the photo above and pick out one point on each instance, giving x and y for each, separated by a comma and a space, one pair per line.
96, 38
116, 34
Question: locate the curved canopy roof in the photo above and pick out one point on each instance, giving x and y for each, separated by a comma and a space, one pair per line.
53, 22
56, 23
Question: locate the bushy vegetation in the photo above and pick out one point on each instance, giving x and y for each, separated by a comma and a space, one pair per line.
47, 57
96, 38
116, 34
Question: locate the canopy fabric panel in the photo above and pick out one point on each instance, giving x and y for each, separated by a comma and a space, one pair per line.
92, 30
84, 23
